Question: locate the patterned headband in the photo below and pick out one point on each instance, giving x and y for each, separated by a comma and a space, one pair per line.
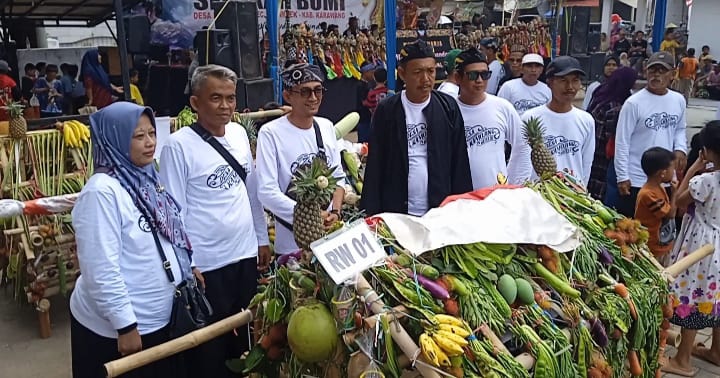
301, 73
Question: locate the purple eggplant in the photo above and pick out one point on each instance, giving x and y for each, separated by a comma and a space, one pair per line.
605, 257
597, 330
283, 259
435, 289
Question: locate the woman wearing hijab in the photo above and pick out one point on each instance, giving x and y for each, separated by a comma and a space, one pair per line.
609, 66
122, 301
605, 109
98, 88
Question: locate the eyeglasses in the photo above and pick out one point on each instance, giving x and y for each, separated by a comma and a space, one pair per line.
474, 75
657, 70
305, 92
511, 60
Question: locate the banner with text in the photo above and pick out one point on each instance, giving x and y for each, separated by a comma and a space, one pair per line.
192, 16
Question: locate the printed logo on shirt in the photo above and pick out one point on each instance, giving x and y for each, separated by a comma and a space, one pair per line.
478, 135
662, 120
524, 105
559, 145
224, 177
144, 224
304, 160
416, 134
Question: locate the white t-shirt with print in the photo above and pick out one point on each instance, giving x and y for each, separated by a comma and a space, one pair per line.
449, 88
281, 148
570, 137
498, 72
647, 120
488, 126
416, 125
525, 97
123, 280
223, 217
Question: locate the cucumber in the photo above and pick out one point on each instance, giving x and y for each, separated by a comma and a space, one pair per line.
508, 288
525, 292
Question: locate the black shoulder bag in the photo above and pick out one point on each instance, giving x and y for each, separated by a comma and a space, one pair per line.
190, 309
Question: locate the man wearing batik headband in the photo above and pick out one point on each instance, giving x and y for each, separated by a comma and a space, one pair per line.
292, 141
490, 122
417, 145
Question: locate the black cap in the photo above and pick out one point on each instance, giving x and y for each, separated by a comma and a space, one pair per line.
469, 56
661, 58
416, 50
563, 66
489, 43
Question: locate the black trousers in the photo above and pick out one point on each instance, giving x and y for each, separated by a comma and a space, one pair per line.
626, 204
90, 351
229, 291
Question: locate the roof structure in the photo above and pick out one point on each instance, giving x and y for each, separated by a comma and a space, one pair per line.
89, 12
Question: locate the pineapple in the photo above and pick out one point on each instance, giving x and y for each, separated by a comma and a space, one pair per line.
249, 125
543, 161
17, 125
313, 186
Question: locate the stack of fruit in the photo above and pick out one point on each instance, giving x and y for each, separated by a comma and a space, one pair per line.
76, 133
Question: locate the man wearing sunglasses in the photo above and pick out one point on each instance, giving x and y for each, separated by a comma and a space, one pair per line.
490, 121
569, 131
417, 145
652, 117
294, 141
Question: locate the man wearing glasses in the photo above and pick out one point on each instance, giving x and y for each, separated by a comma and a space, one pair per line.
417, 145
569, 131
293, 141
490, 121
652, 117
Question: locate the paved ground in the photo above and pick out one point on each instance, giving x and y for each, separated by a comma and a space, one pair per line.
24, 355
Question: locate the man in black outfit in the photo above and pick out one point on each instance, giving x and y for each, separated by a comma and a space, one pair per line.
419, 155
638, 49
622, 45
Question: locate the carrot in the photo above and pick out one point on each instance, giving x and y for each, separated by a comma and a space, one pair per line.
665, 325
633, 310
545, 252
451, 307
621, 290
667, 310
635, 369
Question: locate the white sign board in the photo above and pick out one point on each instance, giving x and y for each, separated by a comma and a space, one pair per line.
348, 251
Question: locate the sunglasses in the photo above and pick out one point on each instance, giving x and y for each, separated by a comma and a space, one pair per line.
474, 75
305, 92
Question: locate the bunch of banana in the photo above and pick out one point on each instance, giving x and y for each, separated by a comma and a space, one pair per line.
445, 339
75, 133
271, 234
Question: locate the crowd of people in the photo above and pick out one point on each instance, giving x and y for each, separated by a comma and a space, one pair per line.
54, 90
201, 217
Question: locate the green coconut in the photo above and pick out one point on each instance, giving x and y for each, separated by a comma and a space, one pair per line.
312, 333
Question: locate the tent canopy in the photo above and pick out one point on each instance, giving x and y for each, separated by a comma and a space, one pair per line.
91, 12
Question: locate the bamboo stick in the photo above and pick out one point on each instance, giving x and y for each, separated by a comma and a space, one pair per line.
494, 340
43, 308
192, 339
36, 240
526, 360
397, 311
19, 230
401, 337
29, 254
673, 338
55, 290
671, 272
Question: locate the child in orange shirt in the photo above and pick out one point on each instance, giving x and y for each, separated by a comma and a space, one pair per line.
655, 209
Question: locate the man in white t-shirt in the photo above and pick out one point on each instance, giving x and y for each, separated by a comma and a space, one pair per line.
223, 218
489, 46
450, 85
490, 121
527, 91
418, 155
292, 141
652, 117
569, 131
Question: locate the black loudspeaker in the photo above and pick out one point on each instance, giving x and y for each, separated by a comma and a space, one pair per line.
255, 93
594, 38
577, 38
597, 65
137, 30
241, 19
584, 64
215, 47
